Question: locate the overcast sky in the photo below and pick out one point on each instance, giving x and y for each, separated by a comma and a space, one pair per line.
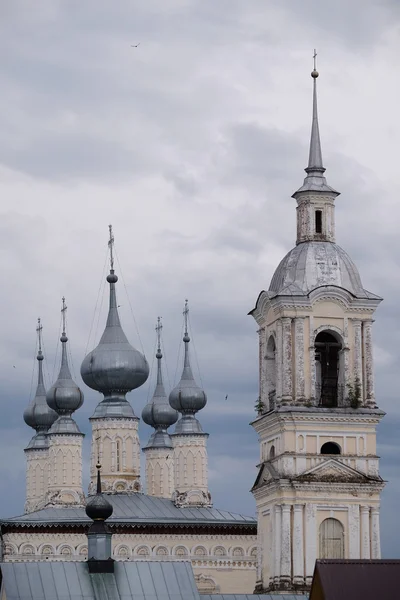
191, 146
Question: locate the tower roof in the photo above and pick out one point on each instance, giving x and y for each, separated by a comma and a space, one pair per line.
158, 413
64, 396
38, 414
98, 507
114, 367
315, 180
187, 397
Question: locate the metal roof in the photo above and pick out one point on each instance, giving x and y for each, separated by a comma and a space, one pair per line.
135, 509
72, 581
254, 597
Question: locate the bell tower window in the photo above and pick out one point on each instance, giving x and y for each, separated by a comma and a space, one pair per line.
318, 221
327, 366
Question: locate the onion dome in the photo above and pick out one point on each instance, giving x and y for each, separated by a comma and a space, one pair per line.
38, 414
114, 367
64, 396
158, 413
98, 508
187, 397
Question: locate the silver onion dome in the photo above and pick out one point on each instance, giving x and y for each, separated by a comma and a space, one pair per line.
64, 396
38, 414
114, 367
158, 413
187, 397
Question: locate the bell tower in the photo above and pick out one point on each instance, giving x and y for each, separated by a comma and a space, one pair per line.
318, 486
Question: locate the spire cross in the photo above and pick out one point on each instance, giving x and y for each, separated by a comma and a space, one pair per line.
63, 312
315, 59
185, 316
158, 330
111, 246
39, 332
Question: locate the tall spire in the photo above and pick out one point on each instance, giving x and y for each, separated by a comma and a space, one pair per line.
187, 397
114, 367
315, 180
158, 413
38, 415
64, 396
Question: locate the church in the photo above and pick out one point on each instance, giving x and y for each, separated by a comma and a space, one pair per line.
317, 485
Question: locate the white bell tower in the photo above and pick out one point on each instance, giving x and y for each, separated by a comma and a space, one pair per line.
318, 486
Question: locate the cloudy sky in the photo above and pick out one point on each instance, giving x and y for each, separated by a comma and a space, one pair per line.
191, 146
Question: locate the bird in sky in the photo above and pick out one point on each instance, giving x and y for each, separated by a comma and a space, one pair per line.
226, 397
135, 45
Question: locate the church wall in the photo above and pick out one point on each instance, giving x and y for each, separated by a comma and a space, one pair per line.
229, 561
37, 464
160, 472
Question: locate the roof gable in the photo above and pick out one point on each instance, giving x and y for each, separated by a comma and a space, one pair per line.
334, 470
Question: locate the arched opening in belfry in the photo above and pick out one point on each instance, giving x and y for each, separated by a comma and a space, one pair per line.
330, 448
327, 367
331, 539
271, 372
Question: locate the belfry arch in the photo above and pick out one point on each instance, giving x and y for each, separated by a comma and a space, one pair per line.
271, 372
329, 376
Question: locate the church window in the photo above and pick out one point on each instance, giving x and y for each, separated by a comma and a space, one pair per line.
318, 221
331, 539
271, 372
118, 454
327, 367
330, 448
272, 452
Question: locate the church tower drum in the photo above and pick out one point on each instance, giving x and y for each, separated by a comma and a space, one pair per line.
318, 486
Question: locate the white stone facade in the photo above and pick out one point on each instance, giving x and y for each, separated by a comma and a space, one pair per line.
115, 443
221, 563
37, 477
191, 469
65, 470
160, 481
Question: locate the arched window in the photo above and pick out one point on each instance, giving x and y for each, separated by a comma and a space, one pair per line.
331, 539
271, 372
318, 221
272, 452
118, 454
327, 366
330, 448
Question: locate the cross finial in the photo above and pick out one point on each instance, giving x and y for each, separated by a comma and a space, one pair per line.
185, 316
315, 59
111, 246
63, 312
39, 332
158, 330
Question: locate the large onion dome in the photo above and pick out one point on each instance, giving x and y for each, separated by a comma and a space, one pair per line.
114, 367
187, 397
158, 413
98, 508
38, 414
64, 396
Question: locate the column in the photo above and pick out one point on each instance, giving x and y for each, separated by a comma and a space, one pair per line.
369, 363
354, 531
261, 363
299, 358
375, 533
287, 358
365, 535
311, 541
298, 545
312, 360
286, 553
358, 355
279, 362
278, 527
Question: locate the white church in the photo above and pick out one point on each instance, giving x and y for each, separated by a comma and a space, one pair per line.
317, 488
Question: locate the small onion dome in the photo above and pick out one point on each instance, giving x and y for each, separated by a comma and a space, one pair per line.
114, 367
98, 508
158, 413
187, 396
64, 396
38, 414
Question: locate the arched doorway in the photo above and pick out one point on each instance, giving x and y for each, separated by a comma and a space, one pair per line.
327, 366
331, 539
271, 372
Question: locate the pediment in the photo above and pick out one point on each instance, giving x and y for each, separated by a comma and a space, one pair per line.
266, 474
334, 470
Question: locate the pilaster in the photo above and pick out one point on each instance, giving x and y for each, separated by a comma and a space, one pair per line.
375, 534
278, 543
365, 533
358, 366
286, 548
299, 359
287, 359
298, 544
369, 363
